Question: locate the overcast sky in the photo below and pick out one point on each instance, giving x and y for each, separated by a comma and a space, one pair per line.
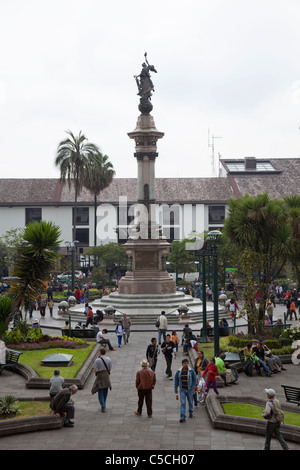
226, 69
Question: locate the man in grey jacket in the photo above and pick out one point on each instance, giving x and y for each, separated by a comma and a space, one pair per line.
274, 415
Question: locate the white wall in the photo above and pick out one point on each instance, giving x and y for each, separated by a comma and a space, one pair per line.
191, 217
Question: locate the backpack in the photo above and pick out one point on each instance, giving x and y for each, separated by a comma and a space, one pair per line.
232, 307
279, 414
276, 411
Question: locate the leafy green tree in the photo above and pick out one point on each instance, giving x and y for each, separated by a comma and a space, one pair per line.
8, 243
98, 176
6, 306
258, 228
74, 156
292, 204
181, 260
109, 255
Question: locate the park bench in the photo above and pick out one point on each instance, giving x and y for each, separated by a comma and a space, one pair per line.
11, 361
78, 333
292, 394
279, 327
224, 331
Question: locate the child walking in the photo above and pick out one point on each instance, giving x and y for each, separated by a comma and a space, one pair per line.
212, 371
120, 331
175, 339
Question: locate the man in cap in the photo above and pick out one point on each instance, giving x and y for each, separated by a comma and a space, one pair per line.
274, 415
145, 383
63, 406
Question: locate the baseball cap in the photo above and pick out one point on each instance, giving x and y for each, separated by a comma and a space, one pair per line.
270, 392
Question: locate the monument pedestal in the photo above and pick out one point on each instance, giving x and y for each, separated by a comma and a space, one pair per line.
147, 272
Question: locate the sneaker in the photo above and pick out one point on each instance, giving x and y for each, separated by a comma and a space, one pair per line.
68, 425
182, 420
190, 415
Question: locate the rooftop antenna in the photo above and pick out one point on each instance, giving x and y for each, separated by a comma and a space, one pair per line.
211, 143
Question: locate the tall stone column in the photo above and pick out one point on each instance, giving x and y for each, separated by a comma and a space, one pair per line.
147, 249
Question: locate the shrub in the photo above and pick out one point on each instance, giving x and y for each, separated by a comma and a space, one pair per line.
17, 335
8, 405
291, 334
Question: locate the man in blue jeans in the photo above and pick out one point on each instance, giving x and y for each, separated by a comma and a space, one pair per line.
186, 381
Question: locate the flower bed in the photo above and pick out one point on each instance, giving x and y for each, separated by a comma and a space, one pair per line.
49, 342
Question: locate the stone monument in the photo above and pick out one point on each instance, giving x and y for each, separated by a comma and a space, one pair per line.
147, 248
147, 288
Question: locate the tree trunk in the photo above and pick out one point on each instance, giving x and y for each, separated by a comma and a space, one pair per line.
95, 220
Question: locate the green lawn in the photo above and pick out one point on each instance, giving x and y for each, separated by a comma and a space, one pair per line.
208, 348
253, 411
33, 359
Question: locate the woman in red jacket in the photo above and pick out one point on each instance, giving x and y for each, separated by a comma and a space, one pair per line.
212, 371
89, 317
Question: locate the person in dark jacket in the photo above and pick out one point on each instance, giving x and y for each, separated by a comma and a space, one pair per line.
62, 404
152, 353
145, 383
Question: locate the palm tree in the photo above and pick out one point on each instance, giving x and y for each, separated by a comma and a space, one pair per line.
74, 155
34, 261
98, 176
6, 305
258, 229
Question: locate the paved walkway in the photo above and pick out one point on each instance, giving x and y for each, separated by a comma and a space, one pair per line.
120, 429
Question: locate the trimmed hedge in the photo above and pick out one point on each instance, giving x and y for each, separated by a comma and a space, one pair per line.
277, 347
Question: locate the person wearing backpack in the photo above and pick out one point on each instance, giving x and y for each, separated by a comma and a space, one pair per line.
274, 415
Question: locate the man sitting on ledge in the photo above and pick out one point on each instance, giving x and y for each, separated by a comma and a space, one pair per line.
100, 338
62, 404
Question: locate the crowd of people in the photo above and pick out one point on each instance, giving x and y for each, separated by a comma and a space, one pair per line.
192, 383
258, 356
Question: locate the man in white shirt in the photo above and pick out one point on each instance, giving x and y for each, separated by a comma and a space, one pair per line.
163, 326
100, 338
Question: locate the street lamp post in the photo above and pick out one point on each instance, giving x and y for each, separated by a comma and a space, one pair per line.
204, 326
213, 237
201, 256
72, 247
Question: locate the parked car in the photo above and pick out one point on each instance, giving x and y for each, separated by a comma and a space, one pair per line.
5, 282
64, 276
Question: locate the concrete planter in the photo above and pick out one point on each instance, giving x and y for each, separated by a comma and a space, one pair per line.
43, 423
35, 381
21, 425
220, 420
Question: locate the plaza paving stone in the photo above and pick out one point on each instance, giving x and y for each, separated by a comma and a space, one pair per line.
119, 429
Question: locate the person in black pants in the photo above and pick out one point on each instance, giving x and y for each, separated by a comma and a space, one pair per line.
152, 353
169, 350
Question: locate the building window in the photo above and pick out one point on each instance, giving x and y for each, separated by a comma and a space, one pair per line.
83, 236
216, 214
33, 214
82, 216
171, 222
